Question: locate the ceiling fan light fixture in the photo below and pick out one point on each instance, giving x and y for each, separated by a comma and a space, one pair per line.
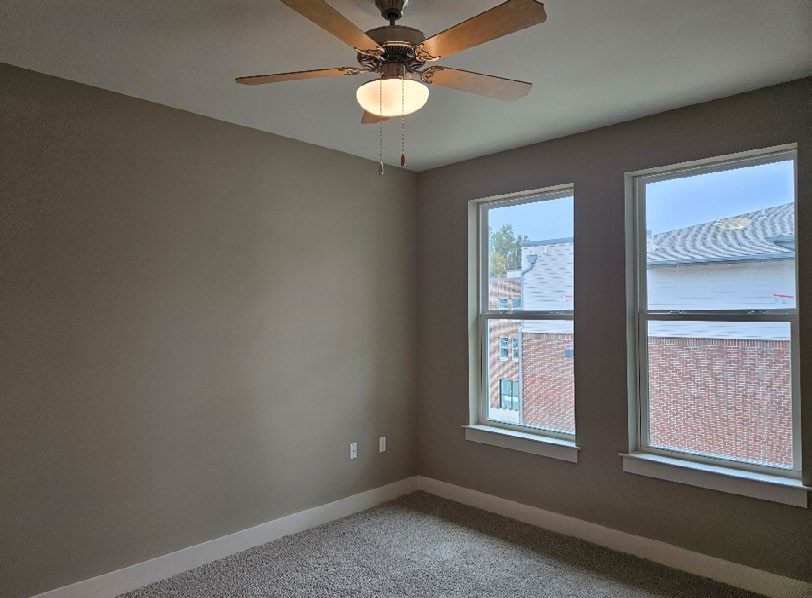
392, 97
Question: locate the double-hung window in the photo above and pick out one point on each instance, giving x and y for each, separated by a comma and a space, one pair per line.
525, 248
716, 313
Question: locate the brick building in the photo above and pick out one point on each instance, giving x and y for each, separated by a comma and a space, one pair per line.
744, 369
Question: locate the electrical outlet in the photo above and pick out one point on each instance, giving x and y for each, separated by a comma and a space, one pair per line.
382, 444
353, 450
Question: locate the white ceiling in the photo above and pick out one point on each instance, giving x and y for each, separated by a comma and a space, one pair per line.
594, 62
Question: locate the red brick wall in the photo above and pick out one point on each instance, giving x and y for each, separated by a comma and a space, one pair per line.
718, 396
548, 391
723, 397
503, 288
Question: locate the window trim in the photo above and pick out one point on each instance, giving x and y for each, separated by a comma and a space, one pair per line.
479, 297
780, 489
639, 315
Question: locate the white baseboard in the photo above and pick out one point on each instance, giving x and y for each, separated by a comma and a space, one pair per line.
141, 574
734, 574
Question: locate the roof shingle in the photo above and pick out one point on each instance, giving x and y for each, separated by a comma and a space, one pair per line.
766, 234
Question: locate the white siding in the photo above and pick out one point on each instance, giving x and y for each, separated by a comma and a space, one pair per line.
750, 285
548, 285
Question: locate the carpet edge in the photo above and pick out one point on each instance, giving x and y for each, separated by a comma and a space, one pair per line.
675, 557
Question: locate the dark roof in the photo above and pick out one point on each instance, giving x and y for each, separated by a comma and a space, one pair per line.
767, 234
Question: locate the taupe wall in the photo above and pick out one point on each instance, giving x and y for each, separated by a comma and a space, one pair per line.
757, 533
195, 320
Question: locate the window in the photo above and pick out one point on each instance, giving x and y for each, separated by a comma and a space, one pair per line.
509, 395
503, 303
525, 252
716, 314
504, 348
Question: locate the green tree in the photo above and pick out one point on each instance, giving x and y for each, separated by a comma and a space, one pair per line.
505, 250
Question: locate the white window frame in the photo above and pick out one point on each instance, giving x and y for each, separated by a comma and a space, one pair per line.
641, 315
484, 314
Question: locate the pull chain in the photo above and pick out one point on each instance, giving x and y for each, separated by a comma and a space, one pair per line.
380, 128
403, 121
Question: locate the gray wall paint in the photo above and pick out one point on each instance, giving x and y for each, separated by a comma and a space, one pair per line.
197, 318
761, 534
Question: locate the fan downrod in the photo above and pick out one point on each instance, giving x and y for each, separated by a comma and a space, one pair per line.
391, 10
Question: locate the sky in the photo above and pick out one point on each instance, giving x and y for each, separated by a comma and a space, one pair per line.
670, 204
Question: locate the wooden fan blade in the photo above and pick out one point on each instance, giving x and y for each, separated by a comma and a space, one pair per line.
512, 16
368, 118
332, 21
484, 85
296, 75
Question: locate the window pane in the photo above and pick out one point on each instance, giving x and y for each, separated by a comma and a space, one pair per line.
722, 240
721, 389
543, 387
530, 255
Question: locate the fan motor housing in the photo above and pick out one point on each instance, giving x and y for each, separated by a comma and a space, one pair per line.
398, 44
397, 35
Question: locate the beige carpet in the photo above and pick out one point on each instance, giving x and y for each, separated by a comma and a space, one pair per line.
421, 545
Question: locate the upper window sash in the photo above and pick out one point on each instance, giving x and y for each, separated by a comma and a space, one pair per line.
483, 207
639, 181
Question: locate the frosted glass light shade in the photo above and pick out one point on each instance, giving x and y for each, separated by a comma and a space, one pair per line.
387, 101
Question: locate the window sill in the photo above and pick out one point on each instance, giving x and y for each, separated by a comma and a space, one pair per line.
535, 444
763, 486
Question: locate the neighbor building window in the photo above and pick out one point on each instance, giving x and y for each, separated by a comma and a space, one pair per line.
525, 247
503, 303
504, 348
509, 395
716, 312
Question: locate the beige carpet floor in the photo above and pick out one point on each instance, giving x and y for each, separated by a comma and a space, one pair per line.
424, 546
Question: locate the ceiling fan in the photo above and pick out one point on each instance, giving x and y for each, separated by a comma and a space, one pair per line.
400, 55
